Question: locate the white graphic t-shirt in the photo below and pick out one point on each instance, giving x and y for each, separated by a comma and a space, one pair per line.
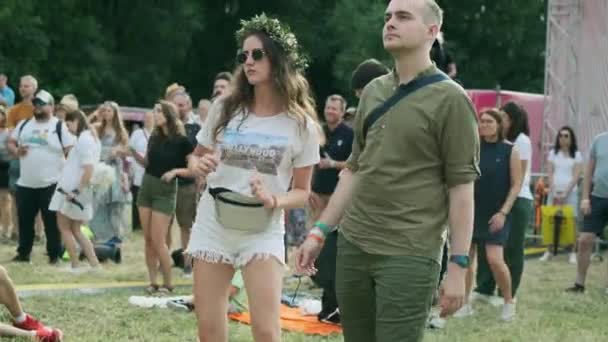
270, 147
87, 151
42, 165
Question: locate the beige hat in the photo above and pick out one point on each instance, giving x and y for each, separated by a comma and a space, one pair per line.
42, 98
69, 102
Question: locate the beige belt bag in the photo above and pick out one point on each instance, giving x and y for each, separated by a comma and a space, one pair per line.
240, 212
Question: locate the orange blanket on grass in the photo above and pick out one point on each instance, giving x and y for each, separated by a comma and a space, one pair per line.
292, 320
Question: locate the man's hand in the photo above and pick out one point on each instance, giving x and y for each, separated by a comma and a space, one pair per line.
452, 290
306, 255
586, 207
22, 151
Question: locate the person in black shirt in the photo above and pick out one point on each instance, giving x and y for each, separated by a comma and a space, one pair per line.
185, 209
442, 58
337, 148
165, 162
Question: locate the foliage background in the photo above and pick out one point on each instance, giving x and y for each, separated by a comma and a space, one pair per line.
130, 50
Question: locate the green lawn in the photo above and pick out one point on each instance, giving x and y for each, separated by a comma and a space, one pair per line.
545, 312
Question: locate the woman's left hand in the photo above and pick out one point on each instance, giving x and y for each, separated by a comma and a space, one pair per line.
497, 222
168, 176
258, 189
70, 196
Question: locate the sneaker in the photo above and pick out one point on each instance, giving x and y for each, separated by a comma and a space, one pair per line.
180, 305
21, 258
332, 318
96, 269
546, 257
187, 272
435, 322
572, 258
577, 288
30, 324
77, 270
49, 335
508, 312
495, 301
465, 311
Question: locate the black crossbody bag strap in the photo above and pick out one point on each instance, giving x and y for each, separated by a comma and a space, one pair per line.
403, 91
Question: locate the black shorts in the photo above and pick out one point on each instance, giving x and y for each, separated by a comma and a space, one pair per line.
597, 220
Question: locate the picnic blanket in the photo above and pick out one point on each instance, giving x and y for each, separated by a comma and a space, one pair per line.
293, 320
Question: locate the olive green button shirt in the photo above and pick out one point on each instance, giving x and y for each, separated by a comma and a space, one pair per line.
424, 145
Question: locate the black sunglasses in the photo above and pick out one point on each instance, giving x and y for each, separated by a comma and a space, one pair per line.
256, 54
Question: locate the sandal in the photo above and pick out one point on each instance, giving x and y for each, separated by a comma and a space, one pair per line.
152, 289
165, 290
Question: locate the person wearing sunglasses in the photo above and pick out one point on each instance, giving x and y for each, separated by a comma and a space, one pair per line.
259, 147
564, 168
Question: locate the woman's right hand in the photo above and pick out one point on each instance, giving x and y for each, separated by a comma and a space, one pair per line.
203, 166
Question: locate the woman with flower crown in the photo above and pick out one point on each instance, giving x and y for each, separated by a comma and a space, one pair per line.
256, 155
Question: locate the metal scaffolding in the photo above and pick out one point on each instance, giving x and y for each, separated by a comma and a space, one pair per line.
576, 77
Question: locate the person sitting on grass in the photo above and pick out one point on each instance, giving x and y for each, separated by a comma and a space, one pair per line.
237, 298
24, 325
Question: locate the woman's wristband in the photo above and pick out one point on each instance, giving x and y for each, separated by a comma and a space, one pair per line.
317, 234
324, 228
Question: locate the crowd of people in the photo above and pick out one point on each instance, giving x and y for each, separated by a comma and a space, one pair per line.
379, 185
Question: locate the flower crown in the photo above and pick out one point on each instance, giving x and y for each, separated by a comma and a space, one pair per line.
279, 33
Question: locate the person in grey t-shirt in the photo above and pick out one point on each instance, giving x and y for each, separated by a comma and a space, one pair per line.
594, 206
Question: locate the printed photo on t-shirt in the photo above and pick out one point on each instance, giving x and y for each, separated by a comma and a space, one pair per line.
37, 137
262, 152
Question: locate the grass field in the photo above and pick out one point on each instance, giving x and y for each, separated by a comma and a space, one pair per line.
545, 312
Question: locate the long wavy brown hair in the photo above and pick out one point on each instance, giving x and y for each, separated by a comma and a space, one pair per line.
174, 126
288, 82
122, 137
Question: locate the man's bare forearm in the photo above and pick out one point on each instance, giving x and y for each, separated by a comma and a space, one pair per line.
340, 198
587, 180
461, 218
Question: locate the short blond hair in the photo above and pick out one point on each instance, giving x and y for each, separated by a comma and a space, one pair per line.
434, 13
30, 79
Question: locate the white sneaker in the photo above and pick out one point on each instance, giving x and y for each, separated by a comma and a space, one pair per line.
96, 269
465, 311
572, 258
508, 312
436, 322
495, 301
77, 270
546, 257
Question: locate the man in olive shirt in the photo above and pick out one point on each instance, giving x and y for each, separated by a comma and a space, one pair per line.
406, 179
